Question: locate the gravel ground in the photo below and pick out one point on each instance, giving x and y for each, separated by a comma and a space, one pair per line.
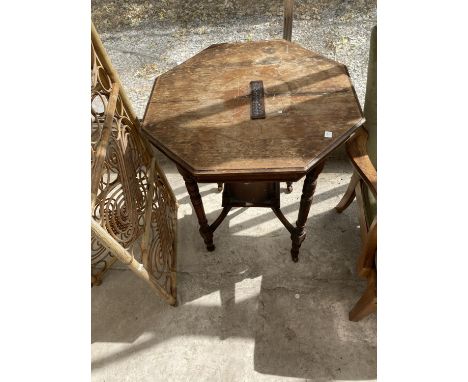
146, 38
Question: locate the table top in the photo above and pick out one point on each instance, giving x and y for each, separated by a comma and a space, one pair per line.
198, 113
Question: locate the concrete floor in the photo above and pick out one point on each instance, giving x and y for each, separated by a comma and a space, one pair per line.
247, 312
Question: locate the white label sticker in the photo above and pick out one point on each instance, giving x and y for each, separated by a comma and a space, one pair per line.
328, 134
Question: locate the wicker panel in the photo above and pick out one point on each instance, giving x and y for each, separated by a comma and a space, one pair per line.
131, 198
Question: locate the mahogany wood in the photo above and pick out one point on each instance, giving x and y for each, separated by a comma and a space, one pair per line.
197, 203
220, 218
299, 233
199, 112
282, 219
199, 116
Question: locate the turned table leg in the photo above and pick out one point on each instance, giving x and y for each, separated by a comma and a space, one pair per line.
299, 233
197, 203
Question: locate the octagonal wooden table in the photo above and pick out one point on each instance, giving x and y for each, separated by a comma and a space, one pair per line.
199, 115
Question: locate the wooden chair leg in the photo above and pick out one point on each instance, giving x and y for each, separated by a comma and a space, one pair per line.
366, 261
349, 195
367, 304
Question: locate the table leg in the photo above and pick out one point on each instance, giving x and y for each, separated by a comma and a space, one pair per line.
299, 233
197, 203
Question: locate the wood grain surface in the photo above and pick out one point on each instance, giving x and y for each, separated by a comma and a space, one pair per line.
199, 112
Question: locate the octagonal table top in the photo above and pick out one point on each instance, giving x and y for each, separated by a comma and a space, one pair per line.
198, 113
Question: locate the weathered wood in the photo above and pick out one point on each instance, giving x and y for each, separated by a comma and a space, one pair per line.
288, 19
199, 112
299, 233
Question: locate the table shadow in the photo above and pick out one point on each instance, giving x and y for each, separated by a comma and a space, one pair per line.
298, 319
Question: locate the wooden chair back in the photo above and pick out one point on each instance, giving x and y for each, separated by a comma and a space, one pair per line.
362, 152
370, 105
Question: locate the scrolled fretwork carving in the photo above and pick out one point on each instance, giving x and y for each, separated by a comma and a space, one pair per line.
131, 198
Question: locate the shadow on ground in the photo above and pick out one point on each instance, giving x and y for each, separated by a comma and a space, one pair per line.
246, 311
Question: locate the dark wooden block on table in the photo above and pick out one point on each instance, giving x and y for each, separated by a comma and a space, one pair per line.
257, 101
